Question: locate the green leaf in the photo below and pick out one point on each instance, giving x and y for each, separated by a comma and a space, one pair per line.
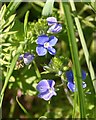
1, 99
9, 20
12, 6
8, 33
93, 5
18, 26
9, 27
47, 10
3, 62
2, 12
25, 23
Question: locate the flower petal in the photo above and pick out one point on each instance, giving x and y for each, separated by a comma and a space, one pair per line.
20, 57
41, 51
43, 86
52, 40
28, 58
47, 95
42, 39
71, 86
69, 75
51, 83
51, 20
26, 54
51, 50
55, 28
83, 75
84, 85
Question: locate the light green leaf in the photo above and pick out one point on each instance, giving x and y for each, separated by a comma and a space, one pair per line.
2, 12
25, 23
9, 20
12, 6
8, 33
3, 62
93, 5
47, 10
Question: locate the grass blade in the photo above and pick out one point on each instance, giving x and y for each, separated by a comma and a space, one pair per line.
74, 54
25, 24
84, 46
13, 5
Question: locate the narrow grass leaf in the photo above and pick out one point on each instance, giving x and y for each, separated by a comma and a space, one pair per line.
2, 12
22, 107
93, 5
75, 58
9, 20
25, 24
84, 46
12, 6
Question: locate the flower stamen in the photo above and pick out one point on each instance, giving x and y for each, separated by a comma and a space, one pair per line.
46, 44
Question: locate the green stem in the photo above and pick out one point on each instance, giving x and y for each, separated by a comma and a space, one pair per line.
84, 46
75, 110
37, 70
12, 108
66, 91
48, 109
21, 106
75, 58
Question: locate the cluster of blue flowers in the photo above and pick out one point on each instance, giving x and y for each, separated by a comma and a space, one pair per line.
46, 87
46, 43
47, 90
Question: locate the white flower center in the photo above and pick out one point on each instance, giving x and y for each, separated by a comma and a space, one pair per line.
50, 90
46, 44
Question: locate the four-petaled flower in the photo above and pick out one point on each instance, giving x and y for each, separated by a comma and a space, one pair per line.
55, 26
46, 89
46, 43
27, 58
70, 78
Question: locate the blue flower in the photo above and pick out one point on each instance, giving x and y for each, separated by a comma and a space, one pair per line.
46, 43
21, 57
70, 78
46, 89
51, 20
55, 26
26, 57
